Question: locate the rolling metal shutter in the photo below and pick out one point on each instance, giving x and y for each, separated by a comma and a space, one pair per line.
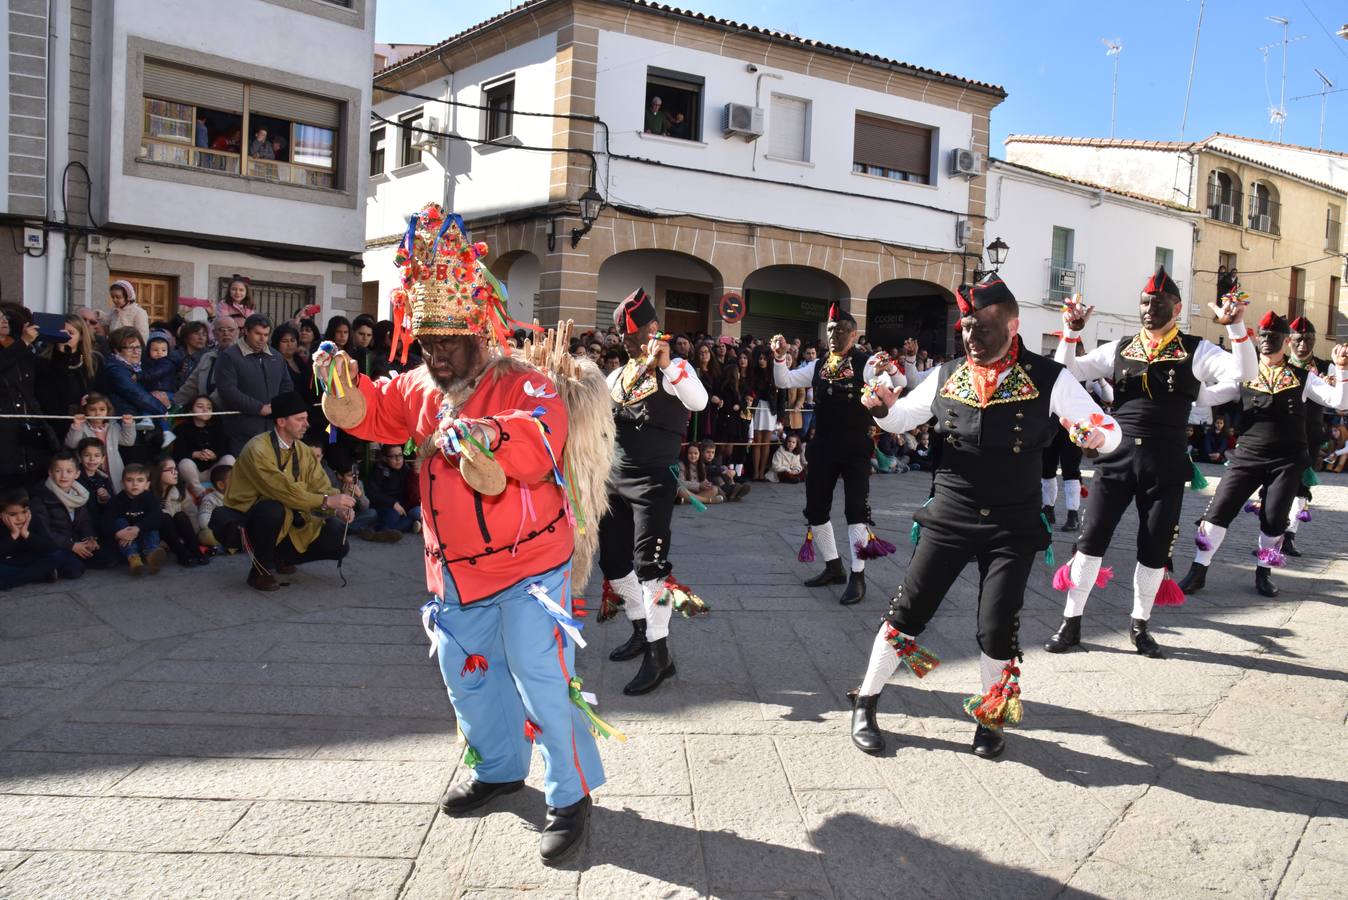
294, 107
190, 86
893, 145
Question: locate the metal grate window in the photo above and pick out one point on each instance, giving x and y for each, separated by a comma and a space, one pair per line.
278, 302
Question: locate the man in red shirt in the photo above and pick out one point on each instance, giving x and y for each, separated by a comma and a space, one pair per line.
497, 522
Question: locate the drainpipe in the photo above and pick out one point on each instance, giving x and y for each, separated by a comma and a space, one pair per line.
758, 84
451, 123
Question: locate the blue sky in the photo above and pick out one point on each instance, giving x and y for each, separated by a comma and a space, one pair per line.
1049, 56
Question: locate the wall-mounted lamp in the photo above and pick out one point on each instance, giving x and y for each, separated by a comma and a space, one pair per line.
590, 204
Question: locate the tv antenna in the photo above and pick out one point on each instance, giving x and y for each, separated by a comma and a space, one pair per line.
1193, 61
1113, 48
1326, 87
1278, 115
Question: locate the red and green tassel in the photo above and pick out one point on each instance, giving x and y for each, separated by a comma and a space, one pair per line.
1000, 706
597, 725
686, 603
919, 659
610, 602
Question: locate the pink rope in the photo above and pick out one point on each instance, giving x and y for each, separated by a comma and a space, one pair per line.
526, 512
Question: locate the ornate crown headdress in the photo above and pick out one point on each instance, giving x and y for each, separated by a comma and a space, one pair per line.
446, 289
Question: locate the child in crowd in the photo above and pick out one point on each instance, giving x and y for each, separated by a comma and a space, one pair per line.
348, 482
922, 460
27, 552
62, 503
159, 370
133, 519
93, 421
387, 488
198, 446
94, 477
127, 313
412, 493
719, 474
888, 457
178, 530
788, 465
693, 478
211, 499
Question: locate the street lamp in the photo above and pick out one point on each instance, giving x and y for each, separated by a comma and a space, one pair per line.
997, 251
591, 202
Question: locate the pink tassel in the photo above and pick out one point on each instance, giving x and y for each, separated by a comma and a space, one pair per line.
1304, 515
1271, 556
806, 553
874, 548
1104, 576
1169, 593
1062, 579
1201, 541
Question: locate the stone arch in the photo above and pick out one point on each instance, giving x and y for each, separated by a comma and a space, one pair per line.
685, 288
519, 271
900, 308
792, 300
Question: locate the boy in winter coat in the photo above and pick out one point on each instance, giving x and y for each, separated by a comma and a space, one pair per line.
133, 522
62, 503
27, 552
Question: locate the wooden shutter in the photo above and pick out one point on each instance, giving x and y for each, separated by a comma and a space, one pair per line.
189, 86
892, 145
786, 128
294, 107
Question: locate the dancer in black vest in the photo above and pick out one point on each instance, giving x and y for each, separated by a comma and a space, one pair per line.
998, 408
1301, 353
652, 396
1066, 456
841, 448
1270, 454
1157, 375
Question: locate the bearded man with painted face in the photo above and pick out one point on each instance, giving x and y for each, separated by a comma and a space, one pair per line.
998, 408
842, 448
1271, 454
514, 449
1157, 375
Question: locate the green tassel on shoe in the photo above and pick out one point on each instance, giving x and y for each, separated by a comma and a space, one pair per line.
1197, 481
915, 533
471, 757
1048, 551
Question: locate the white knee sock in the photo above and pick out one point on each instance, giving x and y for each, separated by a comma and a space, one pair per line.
1072, 494
1215, 534
884, 662
990, 669
629, 589
657, 615
1298, 505
1146, 582
824, 540
856, 536
1048, 490
1083, 571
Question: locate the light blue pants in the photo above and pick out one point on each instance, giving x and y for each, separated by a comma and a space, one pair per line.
528, 669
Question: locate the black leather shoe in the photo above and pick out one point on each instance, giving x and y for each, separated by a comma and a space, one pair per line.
563, 831
1050, 514
988, 744
832, 574
855, 591
1143, 642
1196, 580
1073, 520
865, 732
634, 646
1067, 636
467, 796
1263, 583
656, 666
1289, 547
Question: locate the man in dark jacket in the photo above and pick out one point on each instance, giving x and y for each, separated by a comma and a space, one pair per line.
247, 376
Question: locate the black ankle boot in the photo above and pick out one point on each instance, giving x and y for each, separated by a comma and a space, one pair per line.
1073, 520
988, 744
832, 574
563, 831
1263, 583
1067, 636
634, 645
1144, 643
865, 732
1196, 580
467, 796
1050, 514
1289, 547
855, 591
656, 666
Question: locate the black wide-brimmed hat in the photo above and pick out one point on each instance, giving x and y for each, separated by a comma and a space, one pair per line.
288, 404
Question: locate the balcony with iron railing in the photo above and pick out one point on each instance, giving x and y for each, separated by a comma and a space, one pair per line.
1224, 204
1264, 215
1064, 281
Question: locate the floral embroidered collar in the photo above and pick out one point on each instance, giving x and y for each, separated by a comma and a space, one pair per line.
1168, 348
635, 383
1014, 388
1274, 379
837, 368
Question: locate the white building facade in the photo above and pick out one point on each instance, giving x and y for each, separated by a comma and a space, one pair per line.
1069, 237
175, 162
833, 181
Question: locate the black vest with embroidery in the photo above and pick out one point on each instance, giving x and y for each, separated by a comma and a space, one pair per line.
992, 455
1154, 399
1315, 413
650, 421
840, 419
1272, 411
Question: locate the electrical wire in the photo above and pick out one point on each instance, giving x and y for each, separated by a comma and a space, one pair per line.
1240, 272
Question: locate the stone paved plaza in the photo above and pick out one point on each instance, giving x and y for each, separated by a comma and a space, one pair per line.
186, 737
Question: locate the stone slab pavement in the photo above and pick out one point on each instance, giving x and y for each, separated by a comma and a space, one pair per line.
183, 736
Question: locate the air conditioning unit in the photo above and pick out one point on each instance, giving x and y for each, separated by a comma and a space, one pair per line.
422, 140
965, 162
1226, 213
1263, 223
744, 121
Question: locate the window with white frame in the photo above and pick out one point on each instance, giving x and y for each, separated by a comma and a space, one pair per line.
789, 128
499, 99
253, 130
378, 136
408, 151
